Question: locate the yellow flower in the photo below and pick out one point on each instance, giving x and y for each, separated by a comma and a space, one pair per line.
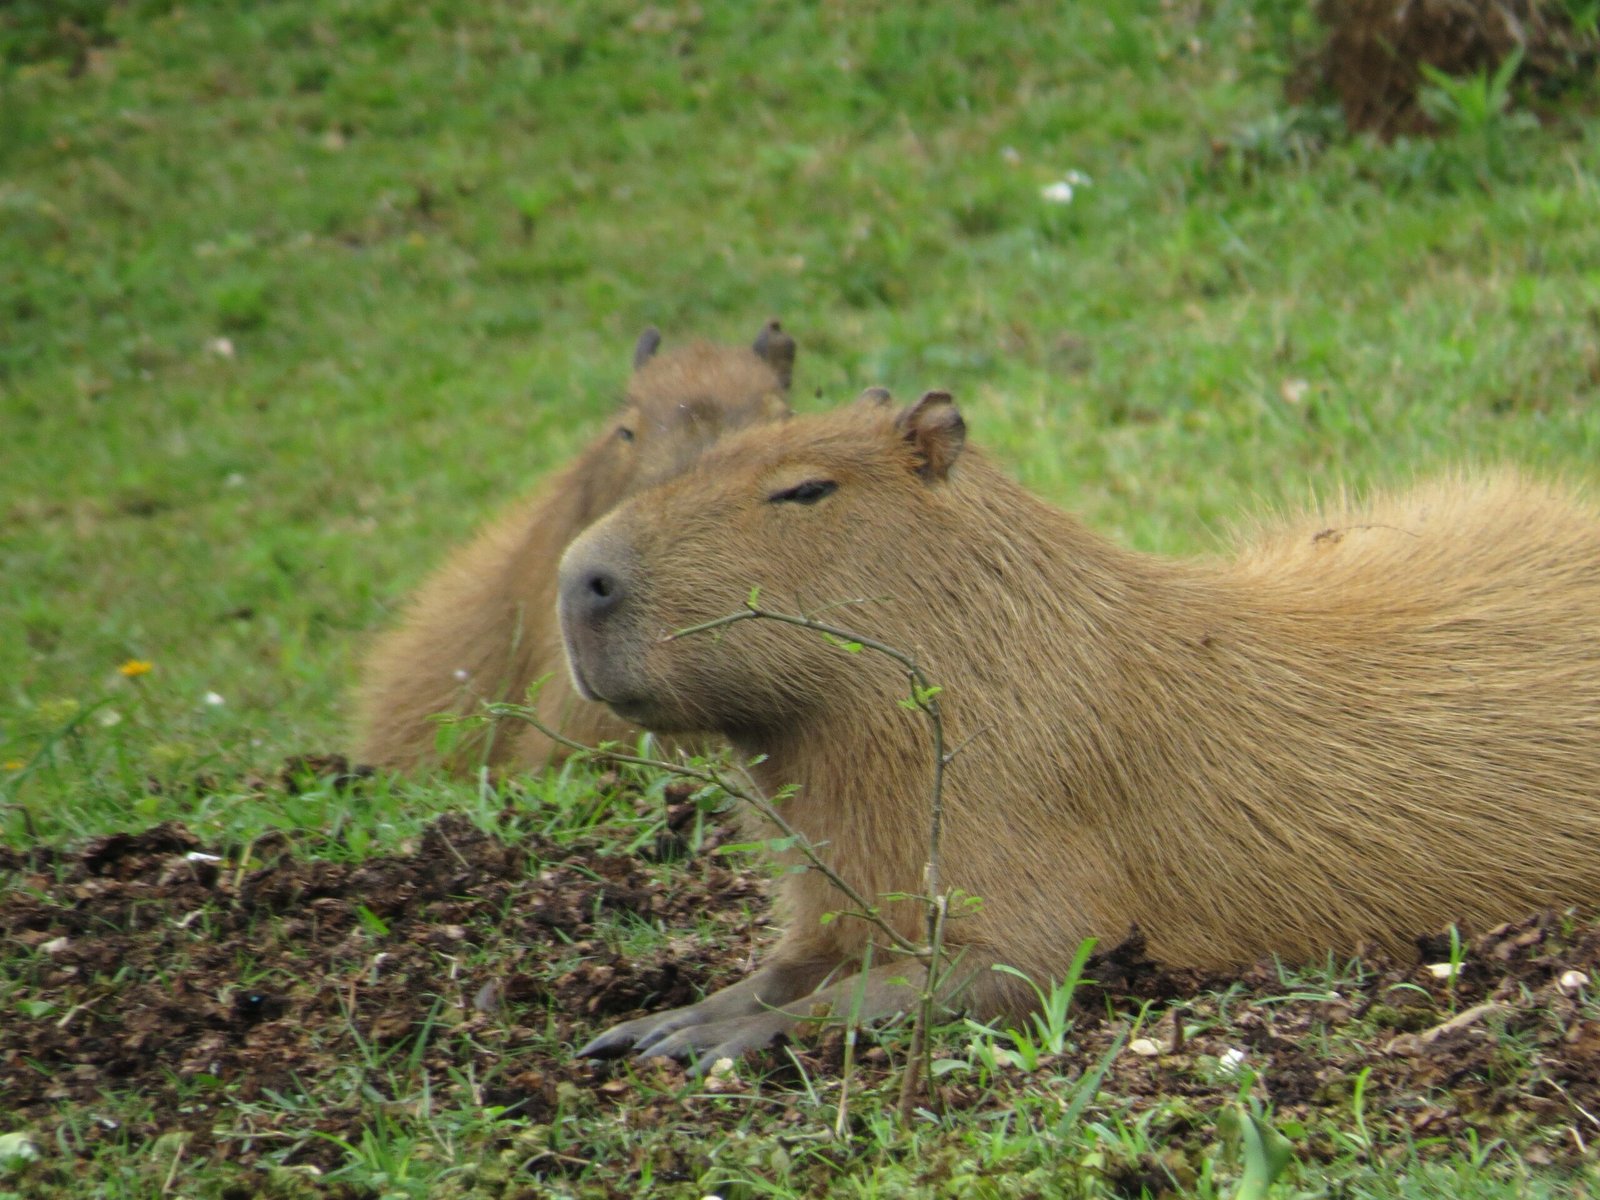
15, 764
135, 666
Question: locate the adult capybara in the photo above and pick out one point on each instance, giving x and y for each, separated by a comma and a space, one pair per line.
483, 627
1362, 726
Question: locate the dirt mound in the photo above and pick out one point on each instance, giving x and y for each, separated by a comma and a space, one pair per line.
203, 981
1375, 50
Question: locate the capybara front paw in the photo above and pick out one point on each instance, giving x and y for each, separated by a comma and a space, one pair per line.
701, 1046
637, 1034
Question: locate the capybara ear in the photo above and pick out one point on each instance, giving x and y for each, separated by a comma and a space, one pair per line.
647, 345
875, 397
934, 426
776, 348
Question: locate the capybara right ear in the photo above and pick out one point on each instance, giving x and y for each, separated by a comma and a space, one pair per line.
777, 349
933, 425
647, 345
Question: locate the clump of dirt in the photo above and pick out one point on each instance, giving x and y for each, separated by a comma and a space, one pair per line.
1375, 49
206, 982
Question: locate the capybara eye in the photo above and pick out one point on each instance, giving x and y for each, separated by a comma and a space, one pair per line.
624, 433
808, 492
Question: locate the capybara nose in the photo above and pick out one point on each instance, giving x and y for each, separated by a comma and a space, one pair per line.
603, 589
595, 593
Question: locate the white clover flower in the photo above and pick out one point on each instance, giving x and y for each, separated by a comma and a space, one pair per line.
1064, 189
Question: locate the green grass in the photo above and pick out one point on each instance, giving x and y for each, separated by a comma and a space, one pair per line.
293, 295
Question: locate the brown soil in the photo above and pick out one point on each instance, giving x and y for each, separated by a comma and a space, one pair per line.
213, 987
1372, 58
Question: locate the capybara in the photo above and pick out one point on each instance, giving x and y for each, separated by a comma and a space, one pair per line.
1361, 726
483, 626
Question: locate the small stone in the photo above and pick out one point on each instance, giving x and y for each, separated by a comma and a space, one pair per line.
15, 1148
1144, 1047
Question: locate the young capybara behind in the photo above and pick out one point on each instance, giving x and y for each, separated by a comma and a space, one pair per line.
483, 626
1362, 726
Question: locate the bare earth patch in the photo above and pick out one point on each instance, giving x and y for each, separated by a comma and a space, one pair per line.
249, 1002
1375, 49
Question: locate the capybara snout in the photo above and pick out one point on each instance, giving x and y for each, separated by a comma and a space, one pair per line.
593, 592
595, 588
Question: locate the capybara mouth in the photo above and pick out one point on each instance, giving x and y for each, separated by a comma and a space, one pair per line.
628, 708
579, 679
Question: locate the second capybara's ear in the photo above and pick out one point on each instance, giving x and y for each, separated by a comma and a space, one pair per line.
875, 397
934, 427
777, 349
647, 345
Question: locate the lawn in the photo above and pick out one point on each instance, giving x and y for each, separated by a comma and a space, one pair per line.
293, 296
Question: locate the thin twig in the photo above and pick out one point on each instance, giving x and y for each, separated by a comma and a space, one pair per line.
924, 696
750, 796
924, 699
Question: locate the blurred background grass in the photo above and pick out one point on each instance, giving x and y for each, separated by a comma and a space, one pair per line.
293, 295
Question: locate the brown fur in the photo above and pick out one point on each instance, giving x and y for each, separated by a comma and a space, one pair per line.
1365, 724
483, 626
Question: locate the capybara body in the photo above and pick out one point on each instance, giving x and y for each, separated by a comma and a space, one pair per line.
483, 626
1363, 725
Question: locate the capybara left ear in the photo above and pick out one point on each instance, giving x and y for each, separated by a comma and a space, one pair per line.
645, 348
875, 397
934, 426
777, 349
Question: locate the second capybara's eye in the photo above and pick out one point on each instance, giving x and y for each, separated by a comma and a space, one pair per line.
808, 492
624, 434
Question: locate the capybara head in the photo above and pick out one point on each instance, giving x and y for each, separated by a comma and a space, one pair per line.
481, 627
680, 403
847, 506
